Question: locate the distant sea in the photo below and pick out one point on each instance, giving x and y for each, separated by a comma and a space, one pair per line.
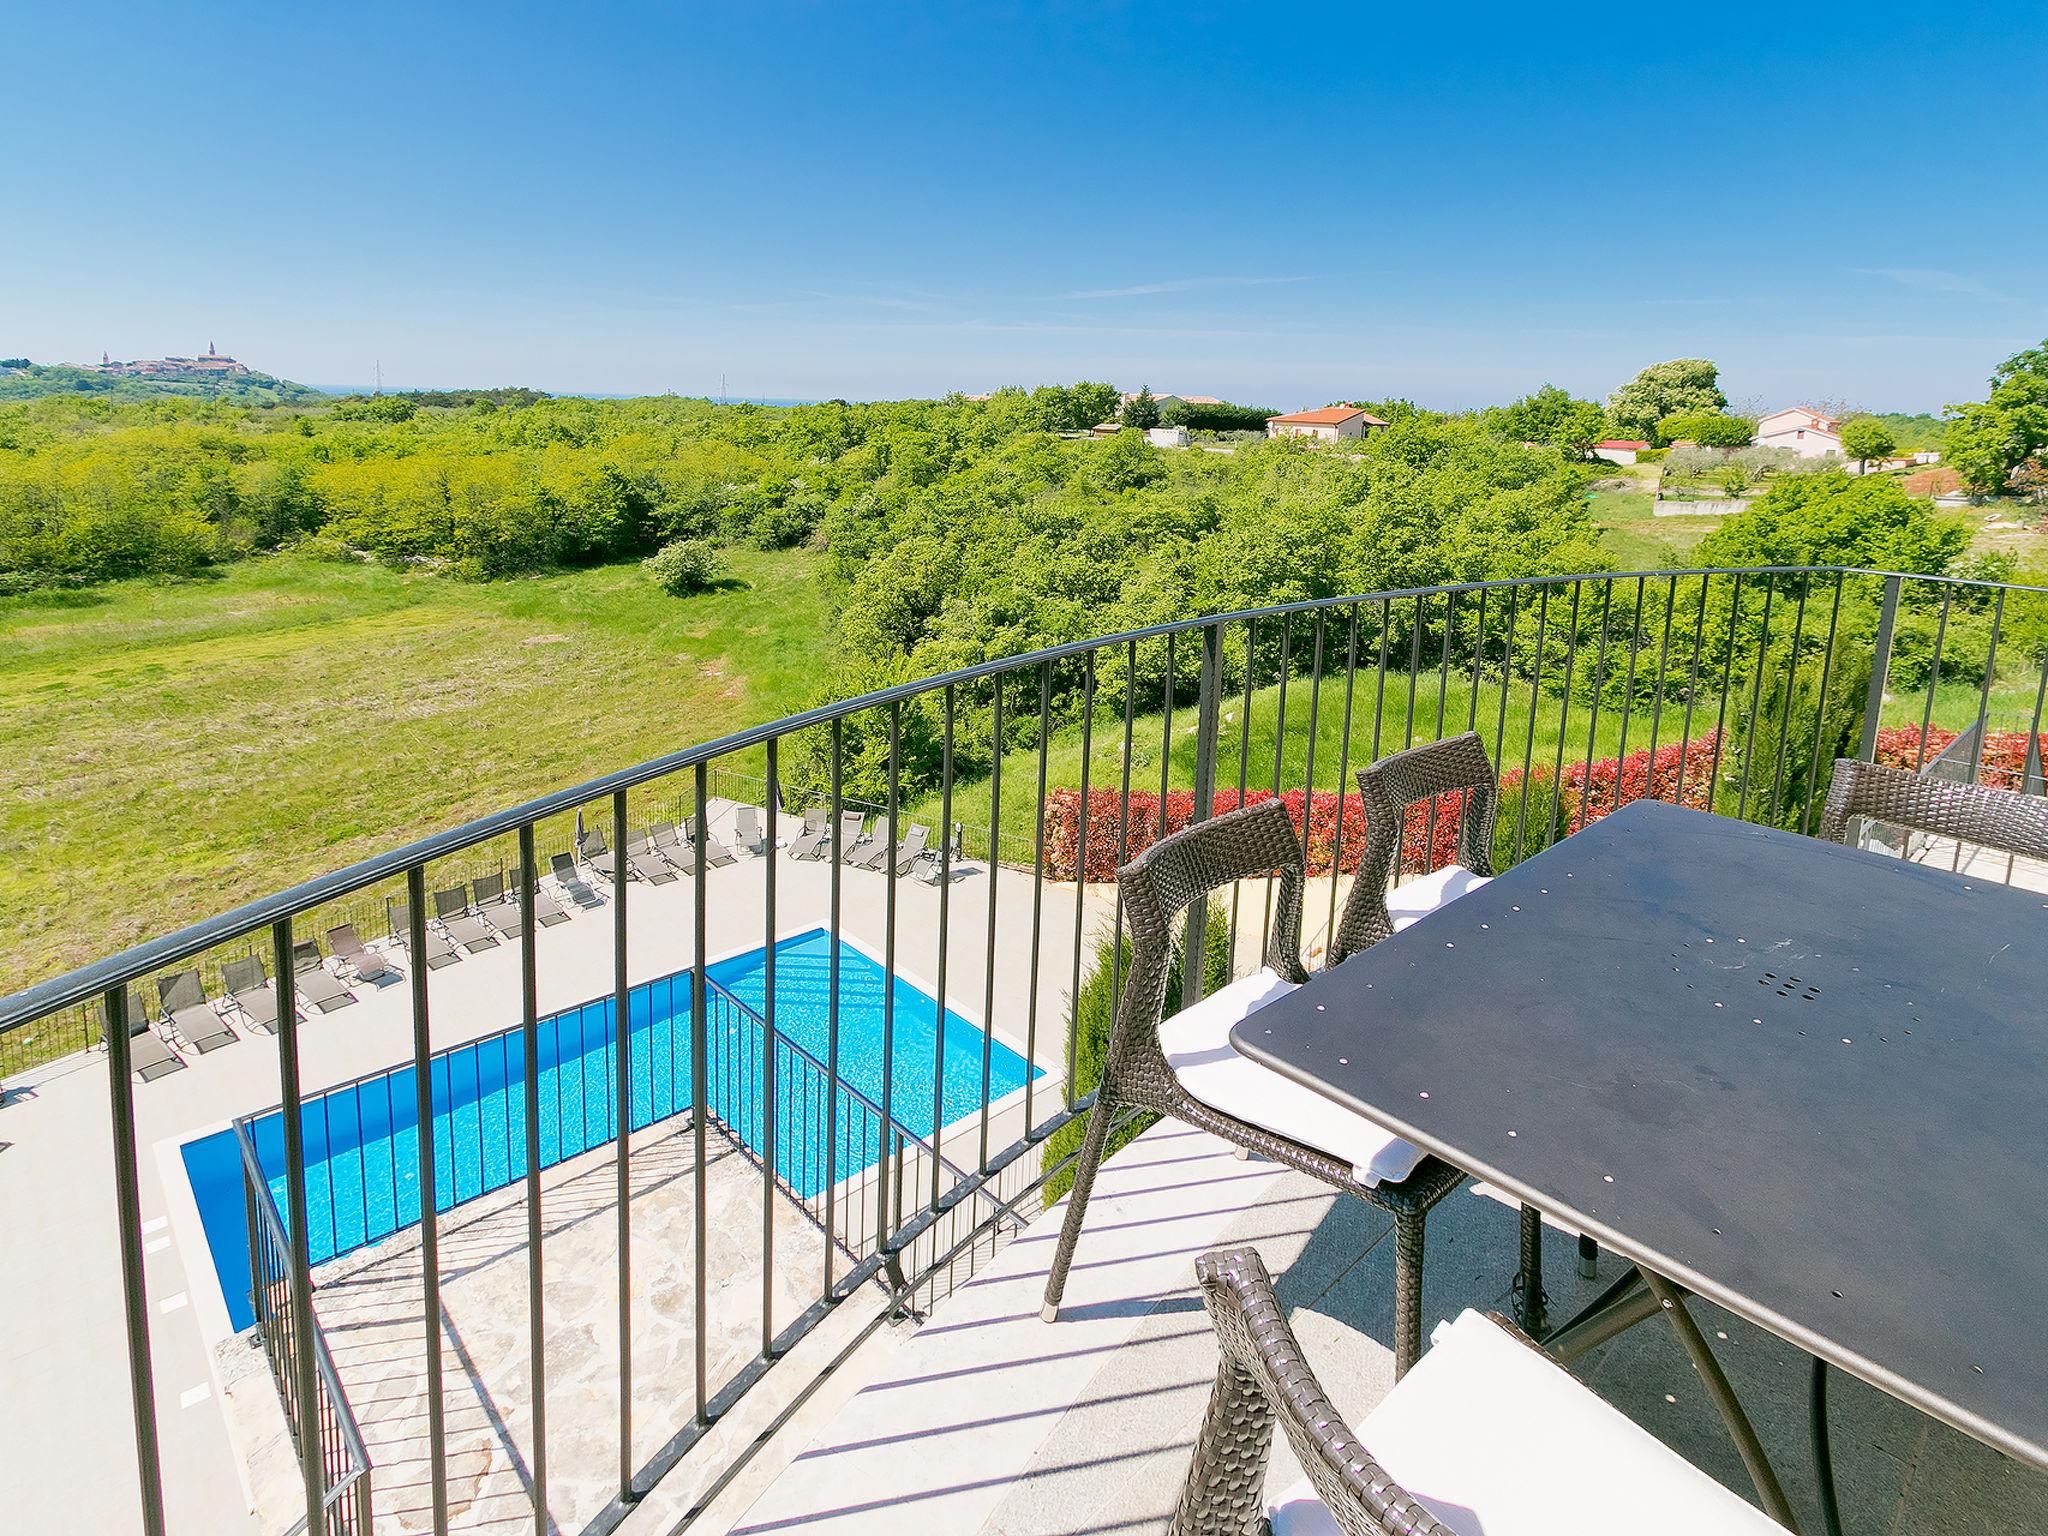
564, 394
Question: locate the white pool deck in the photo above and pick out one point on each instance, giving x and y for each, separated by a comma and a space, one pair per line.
66, 1446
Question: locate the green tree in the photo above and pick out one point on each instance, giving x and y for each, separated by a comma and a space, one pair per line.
1551, 415
1988, 443
1865, 438
1834, 518
1683, 384
1141, 410
1710, 429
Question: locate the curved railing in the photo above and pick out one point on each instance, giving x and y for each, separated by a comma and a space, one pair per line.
1730, 690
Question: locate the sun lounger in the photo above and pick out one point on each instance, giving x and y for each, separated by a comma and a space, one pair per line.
848, 839
715, 852
347, 946
312, 981
646, 861
591, 847
451, 908
248, 987
399, 916
746, 831
544, 908
673, 846
498, 905
184, 999
817, 828
574, 886
148, 1057
874, 852
912, 848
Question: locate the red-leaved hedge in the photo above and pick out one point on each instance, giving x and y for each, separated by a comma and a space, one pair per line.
1584, 797
2001, 765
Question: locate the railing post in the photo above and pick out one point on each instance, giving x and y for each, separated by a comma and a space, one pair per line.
1880, 666
128, 1214
305, 1371
1208, 707
430, 1203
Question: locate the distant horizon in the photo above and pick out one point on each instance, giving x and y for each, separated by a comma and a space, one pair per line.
1450, 206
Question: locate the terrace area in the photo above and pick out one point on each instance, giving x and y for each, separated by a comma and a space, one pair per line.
802, 1304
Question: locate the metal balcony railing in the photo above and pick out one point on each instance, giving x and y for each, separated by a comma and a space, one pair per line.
1731, 691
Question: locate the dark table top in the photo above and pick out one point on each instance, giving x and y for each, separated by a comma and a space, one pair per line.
1807, 1082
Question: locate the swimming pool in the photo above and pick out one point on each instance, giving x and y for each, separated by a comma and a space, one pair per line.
362, 1142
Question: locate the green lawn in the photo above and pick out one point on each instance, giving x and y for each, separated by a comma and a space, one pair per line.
1640, 540
174, 749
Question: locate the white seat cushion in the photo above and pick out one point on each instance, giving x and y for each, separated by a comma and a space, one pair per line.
1197, 1045
1425, 893
1497, 1440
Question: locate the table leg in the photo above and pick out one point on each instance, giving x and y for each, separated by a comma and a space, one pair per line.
1528, 1287
1716, 1382
1612, 1313
1823, 1452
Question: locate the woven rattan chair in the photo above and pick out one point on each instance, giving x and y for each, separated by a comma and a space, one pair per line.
1390, 787
1972, 814
1494, 1435
1158, 885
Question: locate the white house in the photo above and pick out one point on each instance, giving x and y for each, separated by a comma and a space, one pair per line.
1167, 437
1330, 423
1804, 430
1619, 450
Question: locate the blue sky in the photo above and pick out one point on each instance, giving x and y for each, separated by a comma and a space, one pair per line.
1453, 203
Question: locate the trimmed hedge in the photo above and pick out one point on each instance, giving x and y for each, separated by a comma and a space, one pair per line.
1582, 796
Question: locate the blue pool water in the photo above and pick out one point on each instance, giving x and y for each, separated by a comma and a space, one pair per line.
362, 1142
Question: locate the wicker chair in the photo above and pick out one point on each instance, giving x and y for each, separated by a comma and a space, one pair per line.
1162, 882
1458, 765
1389, 787
1500, 1438
1969, 813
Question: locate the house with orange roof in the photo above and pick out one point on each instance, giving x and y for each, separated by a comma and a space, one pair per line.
1330, 423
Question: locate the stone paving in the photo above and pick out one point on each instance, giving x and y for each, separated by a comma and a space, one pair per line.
371, 1311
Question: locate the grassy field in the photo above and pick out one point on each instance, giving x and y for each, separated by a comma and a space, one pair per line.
175, 749
1641, 540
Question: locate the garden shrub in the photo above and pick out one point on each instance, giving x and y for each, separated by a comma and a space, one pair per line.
685, 566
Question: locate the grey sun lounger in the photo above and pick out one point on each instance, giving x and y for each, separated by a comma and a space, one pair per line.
591, 847
817, 828
312, 981
848, 840
346, 945
148, 1057
874, 853
673, 846
498, 904
574, 886
646, 861
184, 998
911, 849
451, 909
715, 852
746, 831
248, 986
398, 915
